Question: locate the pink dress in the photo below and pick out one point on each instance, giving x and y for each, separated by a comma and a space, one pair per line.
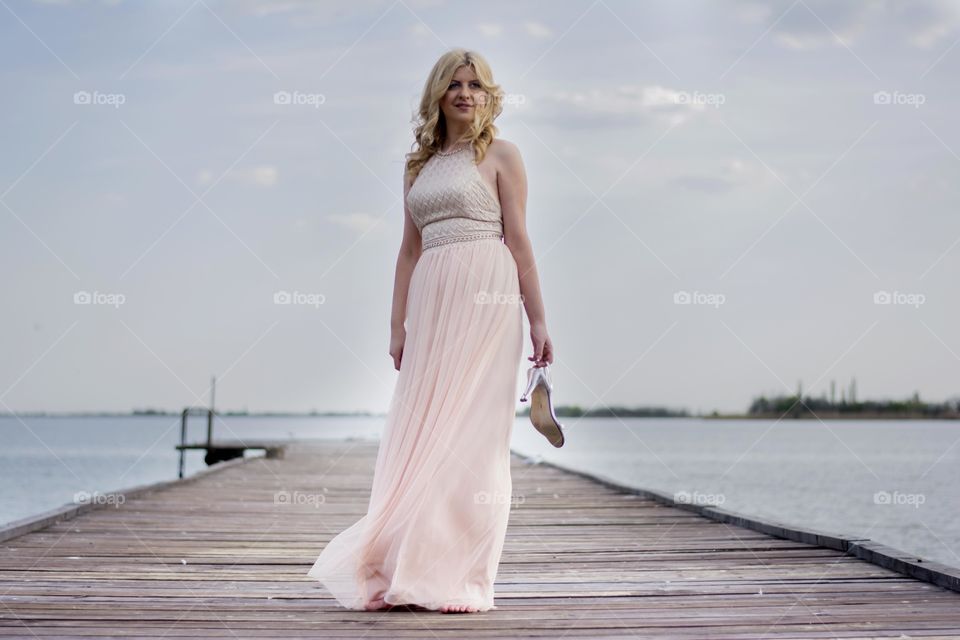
437, 517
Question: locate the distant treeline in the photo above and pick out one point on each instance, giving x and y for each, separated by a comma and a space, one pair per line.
575, 411
161, 412
791, 407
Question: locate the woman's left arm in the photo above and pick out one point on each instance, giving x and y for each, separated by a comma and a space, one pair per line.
512, 185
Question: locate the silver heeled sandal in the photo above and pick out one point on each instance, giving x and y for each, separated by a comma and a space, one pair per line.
541, 408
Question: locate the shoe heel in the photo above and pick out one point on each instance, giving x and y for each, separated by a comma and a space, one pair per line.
532, 377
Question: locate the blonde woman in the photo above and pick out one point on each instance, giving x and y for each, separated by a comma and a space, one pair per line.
437, 517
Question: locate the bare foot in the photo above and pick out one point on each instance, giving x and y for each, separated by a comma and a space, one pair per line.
376, 604
457, 608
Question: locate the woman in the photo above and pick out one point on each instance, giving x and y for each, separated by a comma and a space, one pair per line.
437, 517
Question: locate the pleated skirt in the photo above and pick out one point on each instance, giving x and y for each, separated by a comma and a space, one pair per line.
437, 517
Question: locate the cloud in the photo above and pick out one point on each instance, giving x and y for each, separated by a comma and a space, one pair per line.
420, 30
265, 176
815, 25
490, 30
361, 222
262, 176
205, 177
538, 29
65, 3
732, 173
320, 13
625, 104
819, 24
926, 24
703, 184
753, 12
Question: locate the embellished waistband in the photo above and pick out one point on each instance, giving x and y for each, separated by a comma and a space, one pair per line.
436, 242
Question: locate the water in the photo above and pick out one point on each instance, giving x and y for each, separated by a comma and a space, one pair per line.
895, 482
46, 461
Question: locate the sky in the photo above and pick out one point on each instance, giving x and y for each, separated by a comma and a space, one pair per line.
725, 199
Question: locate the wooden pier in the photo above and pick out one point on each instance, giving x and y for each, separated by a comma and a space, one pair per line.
224, 554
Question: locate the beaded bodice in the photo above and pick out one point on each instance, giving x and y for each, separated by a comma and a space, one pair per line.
450, 201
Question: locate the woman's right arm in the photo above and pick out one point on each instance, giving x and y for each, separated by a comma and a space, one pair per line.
410, 249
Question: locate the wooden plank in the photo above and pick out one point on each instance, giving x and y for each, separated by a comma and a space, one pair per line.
225, 555
869, 550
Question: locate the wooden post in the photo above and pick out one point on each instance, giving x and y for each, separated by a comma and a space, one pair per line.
213, 390
183, 440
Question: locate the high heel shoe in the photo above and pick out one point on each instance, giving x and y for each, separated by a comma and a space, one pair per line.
541, 408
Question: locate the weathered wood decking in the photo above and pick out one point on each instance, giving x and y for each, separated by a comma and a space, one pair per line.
225, 555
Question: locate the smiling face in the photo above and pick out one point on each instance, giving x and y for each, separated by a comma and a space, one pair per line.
464, 95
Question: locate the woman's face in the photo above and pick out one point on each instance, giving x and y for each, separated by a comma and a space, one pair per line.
463, 96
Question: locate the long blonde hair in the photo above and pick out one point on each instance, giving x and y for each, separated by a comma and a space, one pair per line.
430, 130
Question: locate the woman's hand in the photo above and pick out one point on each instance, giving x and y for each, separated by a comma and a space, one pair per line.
542, 345
397, 339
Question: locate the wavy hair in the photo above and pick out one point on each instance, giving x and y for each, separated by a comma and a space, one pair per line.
430, 129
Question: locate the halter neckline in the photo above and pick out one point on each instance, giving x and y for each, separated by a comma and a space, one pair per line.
460, 146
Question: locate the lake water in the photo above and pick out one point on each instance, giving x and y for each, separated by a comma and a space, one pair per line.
895, 482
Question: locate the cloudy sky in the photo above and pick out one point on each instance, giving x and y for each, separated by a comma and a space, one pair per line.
779, 166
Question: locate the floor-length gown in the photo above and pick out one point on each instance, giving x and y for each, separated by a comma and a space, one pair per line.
437, 517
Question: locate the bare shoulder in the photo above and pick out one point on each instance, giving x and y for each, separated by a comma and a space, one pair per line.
506, 153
